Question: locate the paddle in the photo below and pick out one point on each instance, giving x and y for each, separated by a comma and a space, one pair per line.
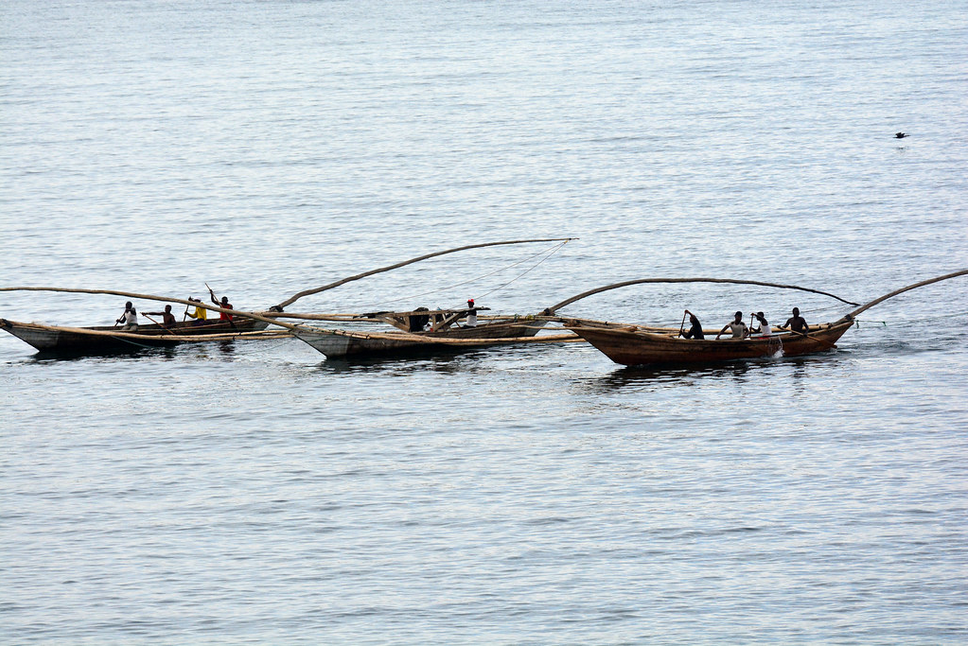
158, 324
812, 338
228, 317
683, 324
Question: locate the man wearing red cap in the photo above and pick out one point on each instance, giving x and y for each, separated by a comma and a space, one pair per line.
471, 314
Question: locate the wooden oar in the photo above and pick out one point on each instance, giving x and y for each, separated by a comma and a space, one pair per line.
683, 324
812, 338
158, 324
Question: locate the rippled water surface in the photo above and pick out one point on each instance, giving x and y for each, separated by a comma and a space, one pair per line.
253, 492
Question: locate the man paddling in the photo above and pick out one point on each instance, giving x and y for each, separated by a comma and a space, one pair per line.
737, 327
222, 316
129, 317
764, 325
695, 329
200, 314
796, 322
167, 318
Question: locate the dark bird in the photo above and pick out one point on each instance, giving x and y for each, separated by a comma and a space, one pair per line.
900, 135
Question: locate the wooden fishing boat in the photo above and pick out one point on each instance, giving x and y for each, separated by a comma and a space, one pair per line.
247, 324
107, 339
632, 346
342, 343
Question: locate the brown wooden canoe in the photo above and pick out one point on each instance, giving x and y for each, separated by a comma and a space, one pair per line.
340, 344
105, 339
632, 346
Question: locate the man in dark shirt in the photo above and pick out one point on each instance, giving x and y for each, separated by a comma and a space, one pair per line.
695, 329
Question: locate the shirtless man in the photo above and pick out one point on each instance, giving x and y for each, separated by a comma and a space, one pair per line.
796, 322
167, 318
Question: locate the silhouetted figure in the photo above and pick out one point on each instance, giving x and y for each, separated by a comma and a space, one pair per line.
695, 329
900, 135
796, 322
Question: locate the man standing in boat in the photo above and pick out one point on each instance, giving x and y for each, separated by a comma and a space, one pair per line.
796, 322
471, 314
737, 327
129, 318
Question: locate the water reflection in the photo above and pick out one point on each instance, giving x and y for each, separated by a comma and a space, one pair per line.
797, 369
442, 362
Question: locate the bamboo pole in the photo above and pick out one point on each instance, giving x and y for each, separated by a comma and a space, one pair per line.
551, 310
883, 298
292, 299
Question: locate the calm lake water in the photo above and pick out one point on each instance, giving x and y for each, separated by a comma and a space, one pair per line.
257, 493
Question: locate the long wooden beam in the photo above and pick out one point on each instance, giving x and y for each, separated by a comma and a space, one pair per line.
554, 308
929, 281
292, 299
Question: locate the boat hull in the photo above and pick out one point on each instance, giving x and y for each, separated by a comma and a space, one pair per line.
49, 338
340, 344
632, 347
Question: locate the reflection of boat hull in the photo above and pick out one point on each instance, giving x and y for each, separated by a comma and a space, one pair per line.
337, 344
50, 338
632, 347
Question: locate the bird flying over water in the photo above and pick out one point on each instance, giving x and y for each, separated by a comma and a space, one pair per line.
900, 135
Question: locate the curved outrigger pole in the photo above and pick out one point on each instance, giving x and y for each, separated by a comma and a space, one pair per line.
289, 301
883, 298
554, 308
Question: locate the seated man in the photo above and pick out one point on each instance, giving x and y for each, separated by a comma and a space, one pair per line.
129, 318
796, 322
200, 314
695, 329
737, 327
764, 328
167, 318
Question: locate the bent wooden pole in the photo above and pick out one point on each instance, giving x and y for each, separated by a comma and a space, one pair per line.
929, 281
292, 299
554, 308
